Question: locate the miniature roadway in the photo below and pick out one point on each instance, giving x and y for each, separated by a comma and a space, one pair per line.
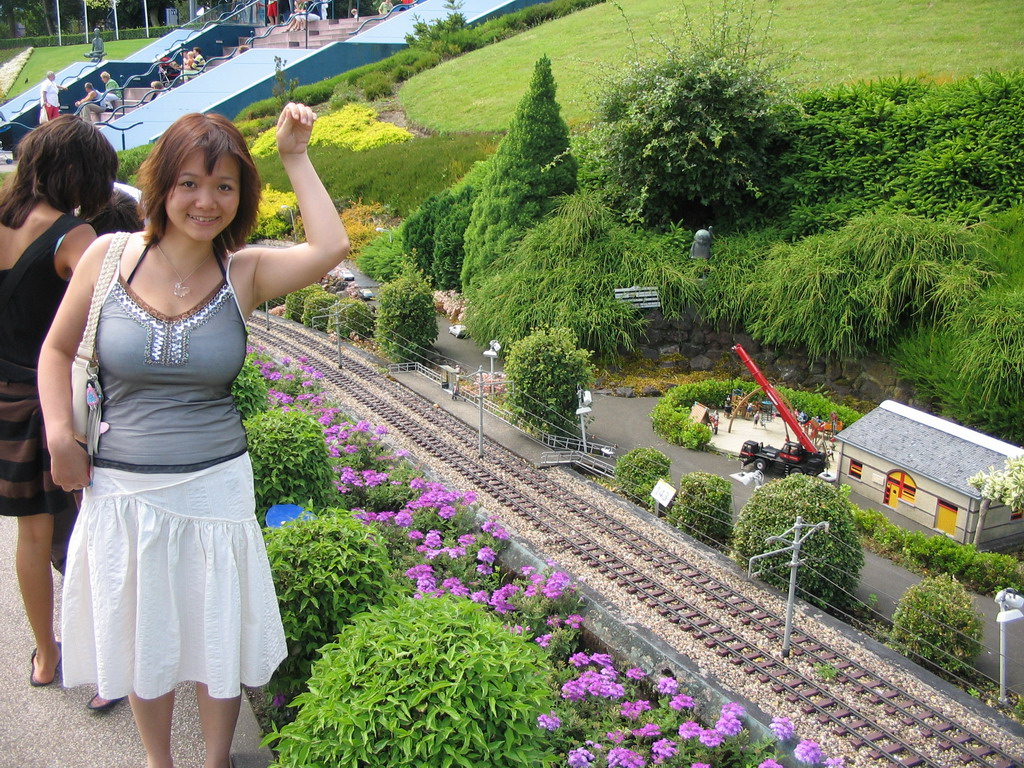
51, 727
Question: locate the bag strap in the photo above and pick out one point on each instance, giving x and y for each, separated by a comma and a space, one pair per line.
108, 273
39, 248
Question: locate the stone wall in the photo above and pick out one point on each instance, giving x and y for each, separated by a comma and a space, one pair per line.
689, 344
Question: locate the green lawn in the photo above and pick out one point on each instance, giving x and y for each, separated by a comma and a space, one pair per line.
832, 41
57, 57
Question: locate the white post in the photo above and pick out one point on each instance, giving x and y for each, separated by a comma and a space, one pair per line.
145, 16
1010, 602
59, 40
117, 32
85, 21
480, 394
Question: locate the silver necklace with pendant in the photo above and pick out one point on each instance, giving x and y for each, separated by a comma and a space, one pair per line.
180, 289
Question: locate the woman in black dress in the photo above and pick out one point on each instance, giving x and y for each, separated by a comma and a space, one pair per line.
43, 243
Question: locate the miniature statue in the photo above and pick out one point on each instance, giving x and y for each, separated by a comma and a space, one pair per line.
701, 248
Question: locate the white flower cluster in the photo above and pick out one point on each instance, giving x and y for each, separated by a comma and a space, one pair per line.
451, 304
9, 72
1004, 485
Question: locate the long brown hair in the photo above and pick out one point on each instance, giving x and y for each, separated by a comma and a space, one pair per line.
216, 137
65, 162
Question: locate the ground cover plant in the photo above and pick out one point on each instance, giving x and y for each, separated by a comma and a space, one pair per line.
516, 634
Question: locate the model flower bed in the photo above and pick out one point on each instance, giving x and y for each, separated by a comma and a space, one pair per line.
422, 650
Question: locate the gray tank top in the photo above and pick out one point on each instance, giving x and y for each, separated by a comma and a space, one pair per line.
167, 383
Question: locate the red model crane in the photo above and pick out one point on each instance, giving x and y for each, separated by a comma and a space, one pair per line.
794, 456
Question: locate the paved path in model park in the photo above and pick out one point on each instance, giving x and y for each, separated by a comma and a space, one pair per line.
625, 422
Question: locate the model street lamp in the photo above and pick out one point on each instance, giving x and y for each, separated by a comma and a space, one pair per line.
585, 399
1010, 602
491, 353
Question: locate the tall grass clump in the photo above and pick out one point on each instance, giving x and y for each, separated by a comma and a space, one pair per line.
844, 292
564, 272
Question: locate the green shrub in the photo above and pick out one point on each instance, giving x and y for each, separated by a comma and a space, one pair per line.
982, 572
249, 390
400, 176
449, 240
375, 85
670, 416
547, 368
898, 144
295, 302
317, 307
935, 624
310, 94
277, 217
833, 558
530, 168
290, 460
638, 471
325, 571
703, 508
693, 134
418, 230
405, 317
384, 258
430, 683
128, 162
564, 272
354, 320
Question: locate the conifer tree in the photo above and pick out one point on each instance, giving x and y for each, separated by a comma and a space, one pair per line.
530, 167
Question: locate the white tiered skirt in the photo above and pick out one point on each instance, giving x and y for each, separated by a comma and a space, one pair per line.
167, 580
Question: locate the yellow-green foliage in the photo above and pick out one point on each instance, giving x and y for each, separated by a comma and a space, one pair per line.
273, 223
354, 126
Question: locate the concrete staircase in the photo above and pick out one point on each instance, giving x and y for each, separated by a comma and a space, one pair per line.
320, 33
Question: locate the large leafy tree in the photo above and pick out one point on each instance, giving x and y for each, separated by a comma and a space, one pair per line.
530, 167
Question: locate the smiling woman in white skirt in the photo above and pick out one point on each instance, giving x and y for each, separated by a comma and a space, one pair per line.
167, 576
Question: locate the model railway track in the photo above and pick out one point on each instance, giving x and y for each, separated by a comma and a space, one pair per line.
873, 715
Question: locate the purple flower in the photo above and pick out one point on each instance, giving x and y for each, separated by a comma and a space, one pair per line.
700, 765
711, 738
635, 673
733, 709
689, 730
728, 726
681, 702
783, 728
615, 737
549, 722
543, 640
603, 659
647, 731
279, 700
480, 597
809, 752
579, 659
620, 757
580, 758
769, 763
486, 555
574, 621
835, 762
662, 750
633, 709
667, 686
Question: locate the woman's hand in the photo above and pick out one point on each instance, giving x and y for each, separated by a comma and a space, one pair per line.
69, 465
294, 127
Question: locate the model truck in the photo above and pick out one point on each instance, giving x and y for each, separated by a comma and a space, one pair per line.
798, 455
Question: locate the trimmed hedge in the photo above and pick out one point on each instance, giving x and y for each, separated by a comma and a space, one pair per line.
982, 572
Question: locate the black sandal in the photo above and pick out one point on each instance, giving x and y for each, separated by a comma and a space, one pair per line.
32, 671
109, 704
